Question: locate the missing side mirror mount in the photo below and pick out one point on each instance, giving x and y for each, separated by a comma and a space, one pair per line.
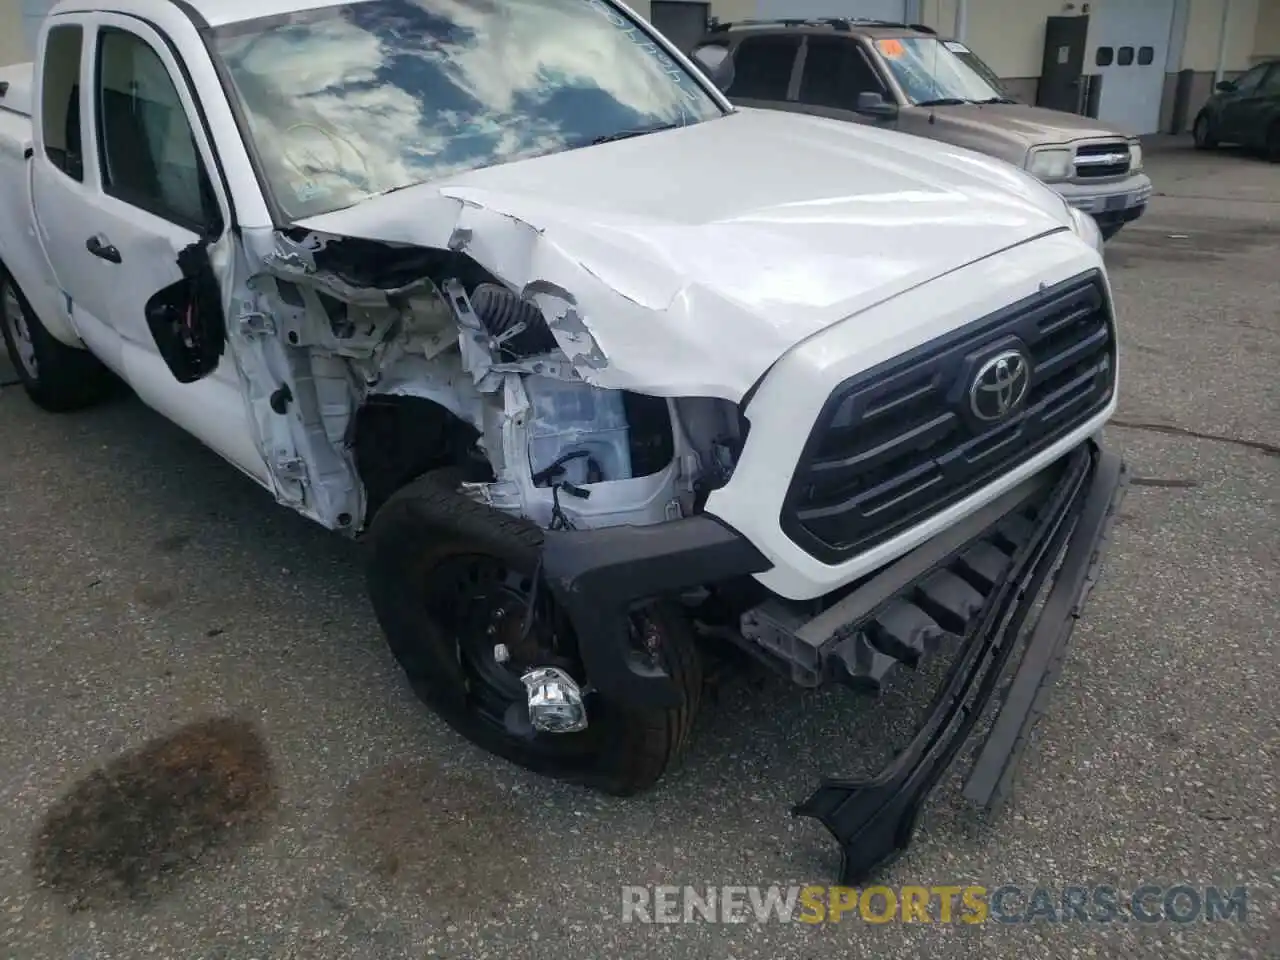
186, 318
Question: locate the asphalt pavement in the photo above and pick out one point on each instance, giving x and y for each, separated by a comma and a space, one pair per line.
207, 752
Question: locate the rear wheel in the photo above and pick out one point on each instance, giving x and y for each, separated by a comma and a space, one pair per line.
450, 579
1203, 133
1272, 145
57, 377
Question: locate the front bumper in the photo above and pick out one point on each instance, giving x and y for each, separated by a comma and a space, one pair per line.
1065, 513
1120, 201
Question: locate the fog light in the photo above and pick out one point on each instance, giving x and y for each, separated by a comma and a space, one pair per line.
555, 702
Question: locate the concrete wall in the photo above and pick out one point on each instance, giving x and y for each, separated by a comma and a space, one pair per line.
12, 47
1266, 32
1204, 32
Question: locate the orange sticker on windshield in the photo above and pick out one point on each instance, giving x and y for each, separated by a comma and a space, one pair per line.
892, 49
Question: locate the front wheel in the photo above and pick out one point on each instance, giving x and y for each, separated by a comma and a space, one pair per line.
1272, 145
451, 578
56, 377
1203, 134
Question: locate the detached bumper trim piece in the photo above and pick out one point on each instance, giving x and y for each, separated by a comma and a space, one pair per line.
874, 820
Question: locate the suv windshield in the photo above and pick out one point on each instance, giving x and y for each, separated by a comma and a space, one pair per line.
929, 72
350, 101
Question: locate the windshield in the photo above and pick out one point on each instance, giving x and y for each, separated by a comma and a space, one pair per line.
351, 101
929, 71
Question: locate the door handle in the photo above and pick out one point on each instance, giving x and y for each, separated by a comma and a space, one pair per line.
99, 246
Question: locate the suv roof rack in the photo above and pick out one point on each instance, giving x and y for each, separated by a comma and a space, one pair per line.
844, 24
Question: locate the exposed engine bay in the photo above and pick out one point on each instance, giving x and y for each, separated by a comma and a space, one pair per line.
345, 330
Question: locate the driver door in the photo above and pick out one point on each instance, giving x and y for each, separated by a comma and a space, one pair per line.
152, 226
1237, 106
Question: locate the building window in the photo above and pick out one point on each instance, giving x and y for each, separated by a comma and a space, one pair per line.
762, 67
1105, 56
1146, 56
1125, 56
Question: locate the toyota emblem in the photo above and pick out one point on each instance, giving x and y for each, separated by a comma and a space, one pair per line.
1000, 386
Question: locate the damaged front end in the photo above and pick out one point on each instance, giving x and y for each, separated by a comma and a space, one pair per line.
1014, 576
366, 363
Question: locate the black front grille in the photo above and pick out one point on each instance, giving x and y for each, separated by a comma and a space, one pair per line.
1089, 168
899, 442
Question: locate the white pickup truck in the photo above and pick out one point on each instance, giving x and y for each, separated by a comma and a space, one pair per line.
606, 373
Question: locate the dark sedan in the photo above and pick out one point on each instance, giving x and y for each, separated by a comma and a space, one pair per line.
1244, 111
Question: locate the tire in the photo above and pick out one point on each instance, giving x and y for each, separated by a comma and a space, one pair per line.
1271, 147
416, 543
56, 377
1203, 134
1109, 231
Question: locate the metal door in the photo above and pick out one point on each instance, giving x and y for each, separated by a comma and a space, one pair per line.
1065, 39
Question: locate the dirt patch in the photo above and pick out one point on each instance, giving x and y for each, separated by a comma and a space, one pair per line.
174, 544
134, 826
154, 597
1185, 240
447, 837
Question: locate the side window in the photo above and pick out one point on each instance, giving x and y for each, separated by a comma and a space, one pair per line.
762, 67
148, 154
1125, 56
710, 55
1106, 56
1270, 87
1251, 80
60, 100
835, 72
1146, 56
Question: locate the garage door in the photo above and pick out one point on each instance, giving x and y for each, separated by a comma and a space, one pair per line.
871, 9
1129, 50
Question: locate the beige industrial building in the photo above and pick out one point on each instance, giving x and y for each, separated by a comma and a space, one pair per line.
1156, 59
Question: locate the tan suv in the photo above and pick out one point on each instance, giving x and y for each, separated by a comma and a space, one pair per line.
906, 78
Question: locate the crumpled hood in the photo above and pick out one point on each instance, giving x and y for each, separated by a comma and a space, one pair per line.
687, 262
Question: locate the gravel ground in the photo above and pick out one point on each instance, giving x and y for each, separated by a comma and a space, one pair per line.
165, 631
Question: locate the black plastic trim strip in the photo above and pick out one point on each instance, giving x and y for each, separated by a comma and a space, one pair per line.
874, 820
990, 779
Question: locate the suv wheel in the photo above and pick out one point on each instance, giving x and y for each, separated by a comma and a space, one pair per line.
1203, 133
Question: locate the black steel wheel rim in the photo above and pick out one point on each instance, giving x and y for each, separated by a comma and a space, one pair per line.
479, 601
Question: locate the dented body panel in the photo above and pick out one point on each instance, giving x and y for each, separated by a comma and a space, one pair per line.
645, 279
